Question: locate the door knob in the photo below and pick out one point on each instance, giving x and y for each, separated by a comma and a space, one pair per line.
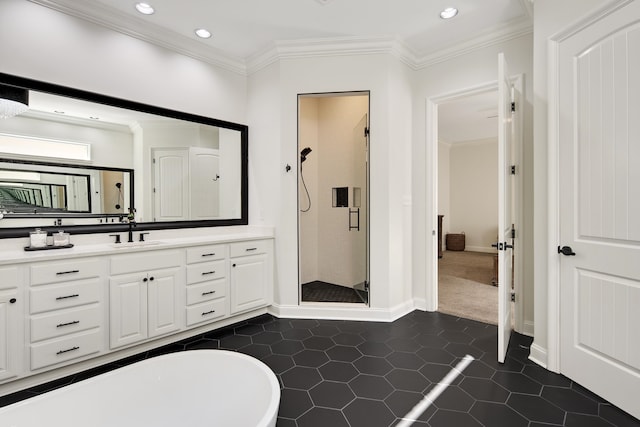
566, 250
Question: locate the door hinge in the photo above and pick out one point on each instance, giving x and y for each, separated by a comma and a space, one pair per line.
513, 169
366, 131
513, 233
513, 107
154, 161
513, 297
154, 189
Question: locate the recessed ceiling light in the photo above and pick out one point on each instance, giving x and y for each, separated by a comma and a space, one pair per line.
145, 8
202, 33
449, 13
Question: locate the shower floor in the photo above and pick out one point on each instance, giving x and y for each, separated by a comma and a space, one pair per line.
318, 291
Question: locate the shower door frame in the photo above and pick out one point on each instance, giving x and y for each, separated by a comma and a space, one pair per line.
367, 279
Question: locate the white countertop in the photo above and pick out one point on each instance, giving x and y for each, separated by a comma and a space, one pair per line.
12, 250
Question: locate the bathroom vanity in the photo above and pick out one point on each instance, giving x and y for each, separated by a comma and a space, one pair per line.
67, 310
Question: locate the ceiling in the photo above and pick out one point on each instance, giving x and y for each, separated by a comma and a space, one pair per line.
245, 29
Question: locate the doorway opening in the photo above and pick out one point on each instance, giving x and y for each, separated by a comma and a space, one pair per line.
333, 197
468, 206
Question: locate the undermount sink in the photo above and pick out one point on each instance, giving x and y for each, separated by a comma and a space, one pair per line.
129, 245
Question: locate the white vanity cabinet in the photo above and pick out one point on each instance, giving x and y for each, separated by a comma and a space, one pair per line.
207, 284
11, 325
65, 311
144, 296
251, 274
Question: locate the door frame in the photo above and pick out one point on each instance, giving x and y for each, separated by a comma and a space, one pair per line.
553, 187
431, 266
368, 195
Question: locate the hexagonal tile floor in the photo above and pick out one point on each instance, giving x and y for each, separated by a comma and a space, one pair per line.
337, 373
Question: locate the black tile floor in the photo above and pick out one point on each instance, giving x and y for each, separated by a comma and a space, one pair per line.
352, 374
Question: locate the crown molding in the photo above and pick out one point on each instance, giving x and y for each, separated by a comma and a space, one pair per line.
121, 22
335, 46
513, 30
289, 49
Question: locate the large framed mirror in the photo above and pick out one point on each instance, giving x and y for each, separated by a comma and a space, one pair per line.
82, 161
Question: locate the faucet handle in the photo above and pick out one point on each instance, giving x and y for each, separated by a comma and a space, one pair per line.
142, 236
117, 236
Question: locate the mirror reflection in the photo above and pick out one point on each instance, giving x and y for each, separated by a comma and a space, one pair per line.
71, 157
38, 189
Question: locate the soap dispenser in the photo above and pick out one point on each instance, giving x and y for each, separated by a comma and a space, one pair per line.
61, 238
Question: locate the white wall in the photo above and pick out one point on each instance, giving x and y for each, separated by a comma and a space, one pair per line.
474, 193
308, 134
110, 146
42, 44
550, 17
444, 188
464, 72
280, 84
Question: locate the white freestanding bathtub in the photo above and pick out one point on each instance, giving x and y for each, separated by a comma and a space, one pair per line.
192, 389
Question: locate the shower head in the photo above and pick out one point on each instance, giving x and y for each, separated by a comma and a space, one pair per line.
304, 153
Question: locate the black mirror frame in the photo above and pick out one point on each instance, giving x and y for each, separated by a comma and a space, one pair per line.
14, 232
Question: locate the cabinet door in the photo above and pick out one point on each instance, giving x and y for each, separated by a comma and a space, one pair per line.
127, 309
163, 301
10, 334
249, 282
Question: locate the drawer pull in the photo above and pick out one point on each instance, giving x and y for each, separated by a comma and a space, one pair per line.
251, 249
75, 322
204, 273
211, 254
59, 273
208, 293
67, 296
68, 350
208, 312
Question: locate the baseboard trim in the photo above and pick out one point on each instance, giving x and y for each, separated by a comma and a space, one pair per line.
483, 249
527, 328
538, 355
341, 311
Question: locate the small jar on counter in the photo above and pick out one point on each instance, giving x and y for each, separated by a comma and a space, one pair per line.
38, 238
61, 238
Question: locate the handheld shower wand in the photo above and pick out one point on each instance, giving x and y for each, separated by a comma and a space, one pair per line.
303, 156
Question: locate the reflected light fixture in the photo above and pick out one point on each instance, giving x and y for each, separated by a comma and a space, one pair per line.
203, 33
145, 8
13, 101
449, 13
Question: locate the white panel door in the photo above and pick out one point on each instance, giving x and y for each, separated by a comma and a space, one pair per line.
127, 309
163, 302
599, 200
249, 282
505, 209
10, 334
204, 175
170, 185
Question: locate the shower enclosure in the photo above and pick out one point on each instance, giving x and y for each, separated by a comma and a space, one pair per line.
333, 214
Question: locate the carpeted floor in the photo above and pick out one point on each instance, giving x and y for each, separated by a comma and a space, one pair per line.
465, 286
318, 291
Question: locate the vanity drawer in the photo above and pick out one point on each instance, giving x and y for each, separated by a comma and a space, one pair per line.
206, 271
206, 253
206, 311
151, 260
206, 291
68, 348
54, 297
64, 322
64, 271
249, 248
